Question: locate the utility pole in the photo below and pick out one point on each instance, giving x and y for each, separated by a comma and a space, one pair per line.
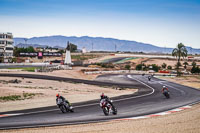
115, 48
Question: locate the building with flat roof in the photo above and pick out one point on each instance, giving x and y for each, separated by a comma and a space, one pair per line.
6, 47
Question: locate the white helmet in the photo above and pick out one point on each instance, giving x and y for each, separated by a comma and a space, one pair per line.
164, 86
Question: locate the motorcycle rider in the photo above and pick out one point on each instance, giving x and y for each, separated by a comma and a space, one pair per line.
165, 89
106, 98
149, 78
58, 96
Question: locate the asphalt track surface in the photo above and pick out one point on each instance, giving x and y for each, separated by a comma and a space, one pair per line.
113, 60
148, 100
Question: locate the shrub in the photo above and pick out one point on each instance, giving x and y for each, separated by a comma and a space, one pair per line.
164, 65
195, 69
169, 67
103, 65
139, 67
155, 67
127, 67
11, 98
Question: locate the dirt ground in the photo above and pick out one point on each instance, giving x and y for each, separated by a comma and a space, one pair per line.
167, 61
46, 90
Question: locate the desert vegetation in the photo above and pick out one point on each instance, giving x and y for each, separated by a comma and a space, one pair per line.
17, 97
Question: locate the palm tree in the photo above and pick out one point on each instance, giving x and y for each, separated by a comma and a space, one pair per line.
164, 65
179, 52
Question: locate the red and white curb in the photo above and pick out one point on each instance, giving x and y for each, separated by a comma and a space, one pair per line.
131, 118
158, 114
5, 115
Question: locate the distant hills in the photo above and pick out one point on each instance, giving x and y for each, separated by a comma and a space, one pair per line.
96, 44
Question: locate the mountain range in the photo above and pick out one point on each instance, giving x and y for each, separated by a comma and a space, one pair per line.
95, 44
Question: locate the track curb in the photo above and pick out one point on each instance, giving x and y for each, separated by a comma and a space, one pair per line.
157, 114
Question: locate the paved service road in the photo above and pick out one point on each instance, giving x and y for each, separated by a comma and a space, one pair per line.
148, 100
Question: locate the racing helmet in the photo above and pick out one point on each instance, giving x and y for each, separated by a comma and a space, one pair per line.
102, 95
57, 95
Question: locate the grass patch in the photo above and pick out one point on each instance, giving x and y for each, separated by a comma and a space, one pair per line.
28, 95
125, 60
29, 69
17, 97
10, 98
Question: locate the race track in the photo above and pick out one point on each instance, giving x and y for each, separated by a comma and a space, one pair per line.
148, 100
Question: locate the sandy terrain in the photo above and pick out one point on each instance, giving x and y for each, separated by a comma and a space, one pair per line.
167, 61
187, 121
46, 90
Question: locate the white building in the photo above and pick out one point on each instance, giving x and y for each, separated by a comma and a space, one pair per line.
84, 50
6, 46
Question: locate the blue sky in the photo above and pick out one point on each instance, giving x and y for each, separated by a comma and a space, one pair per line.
160, 22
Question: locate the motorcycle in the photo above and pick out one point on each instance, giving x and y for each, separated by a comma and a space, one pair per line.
166, 94
107, 107
149, 78
64, 106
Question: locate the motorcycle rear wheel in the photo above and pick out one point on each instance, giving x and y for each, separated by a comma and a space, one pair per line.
63, 109
114, 110
105, 111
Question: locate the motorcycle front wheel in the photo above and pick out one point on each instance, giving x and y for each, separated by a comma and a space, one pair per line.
72, 110
114, 110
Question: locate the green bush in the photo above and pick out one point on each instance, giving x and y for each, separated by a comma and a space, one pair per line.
164, 65
103, 65
127, 67
110, 66
169, 67
139, 67
155, 67
17, 51
107, 65
195, 69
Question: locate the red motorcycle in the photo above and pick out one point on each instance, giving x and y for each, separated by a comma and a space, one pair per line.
107, 107
166, 94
